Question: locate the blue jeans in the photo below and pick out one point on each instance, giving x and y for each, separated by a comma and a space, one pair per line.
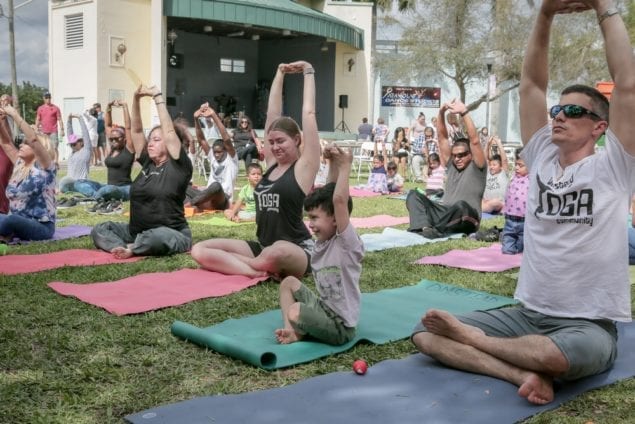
95, 190
16, 226
513, 233
113, 192
86, 187
631, 246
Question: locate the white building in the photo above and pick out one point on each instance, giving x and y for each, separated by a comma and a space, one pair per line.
200, 50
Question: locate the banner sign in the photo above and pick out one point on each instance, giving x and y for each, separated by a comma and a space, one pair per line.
410, 96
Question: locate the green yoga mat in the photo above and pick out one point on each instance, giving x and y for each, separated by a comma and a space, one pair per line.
386, 316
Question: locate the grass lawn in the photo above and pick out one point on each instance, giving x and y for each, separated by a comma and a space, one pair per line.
63, 361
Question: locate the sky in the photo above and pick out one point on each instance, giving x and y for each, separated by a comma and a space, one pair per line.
31, 42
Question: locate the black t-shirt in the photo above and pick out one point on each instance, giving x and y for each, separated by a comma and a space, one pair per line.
158, 192
279, 207
242, 138
119, 167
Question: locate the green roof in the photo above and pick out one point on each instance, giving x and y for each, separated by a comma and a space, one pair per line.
279, 14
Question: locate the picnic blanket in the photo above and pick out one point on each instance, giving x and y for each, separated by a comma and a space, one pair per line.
412, 390
392, 237
386, 316
487, 259
20, 264
148, 292
62, 233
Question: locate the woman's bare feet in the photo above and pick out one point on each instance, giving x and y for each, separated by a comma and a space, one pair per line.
445, 324
537, 389
287, 336
122, 252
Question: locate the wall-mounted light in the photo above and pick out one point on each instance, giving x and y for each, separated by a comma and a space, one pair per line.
236, 34
255, 37
324, 47
286, 32
208, 29
172, 36
121, 50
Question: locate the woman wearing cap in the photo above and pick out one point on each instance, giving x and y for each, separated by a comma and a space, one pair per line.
293, 158
157, 224
79, 161
31, 188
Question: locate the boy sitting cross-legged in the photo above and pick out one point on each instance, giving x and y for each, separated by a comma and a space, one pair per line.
332, 315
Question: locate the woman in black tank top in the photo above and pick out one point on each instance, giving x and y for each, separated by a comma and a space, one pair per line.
292, 157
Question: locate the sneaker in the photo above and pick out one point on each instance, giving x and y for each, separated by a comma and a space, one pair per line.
490, 236
96, 207
111, 208
67, 203
431, 233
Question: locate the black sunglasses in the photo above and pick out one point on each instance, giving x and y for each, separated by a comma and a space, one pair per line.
572, 111
461, 155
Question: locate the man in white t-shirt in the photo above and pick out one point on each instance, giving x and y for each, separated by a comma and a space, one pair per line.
223, 165
571, 293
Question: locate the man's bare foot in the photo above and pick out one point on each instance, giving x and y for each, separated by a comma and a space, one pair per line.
537, 389
445, 324
286, 336
122, 252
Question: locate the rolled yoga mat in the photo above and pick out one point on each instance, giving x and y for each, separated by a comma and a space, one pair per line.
386, 316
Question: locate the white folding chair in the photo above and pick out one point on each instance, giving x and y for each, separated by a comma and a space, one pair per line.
364, 155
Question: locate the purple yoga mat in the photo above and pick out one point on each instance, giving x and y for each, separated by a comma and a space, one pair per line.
62, 233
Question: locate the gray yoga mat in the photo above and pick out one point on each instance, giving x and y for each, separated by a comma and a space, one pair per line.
412, 390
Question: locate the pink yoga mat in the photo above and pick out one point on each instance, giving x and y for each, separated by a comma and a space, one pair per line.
379, 221
488, 259
375, 221
148, 292
20, 264
360, 192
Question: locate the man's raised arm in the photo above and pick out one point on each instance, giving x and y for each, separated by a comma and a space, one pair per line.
621, 63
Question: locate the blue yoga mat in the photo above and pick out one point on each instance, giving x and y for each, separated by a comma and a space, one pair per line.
413, 390
386, 316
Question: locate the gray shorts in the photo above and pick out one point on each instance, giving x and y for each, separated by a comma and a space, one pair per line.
590, 346
319, 321
54, 140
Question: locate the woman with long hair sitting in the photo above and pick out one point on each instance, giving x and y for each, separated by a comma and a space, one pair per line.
246, 142
31, 189
293, 158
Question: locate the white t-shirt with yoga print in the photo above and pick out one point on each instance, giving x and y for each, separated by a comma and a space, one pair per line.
570, 212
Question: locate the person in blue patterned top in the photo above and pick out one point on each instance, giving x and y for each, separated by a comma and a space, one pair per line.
31, 189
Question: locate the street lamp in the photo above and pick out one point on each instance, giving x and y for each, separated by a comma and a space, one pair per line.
489, 62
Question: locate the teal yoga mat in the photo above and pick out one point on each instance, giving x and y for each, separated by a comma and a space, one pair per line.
386, 316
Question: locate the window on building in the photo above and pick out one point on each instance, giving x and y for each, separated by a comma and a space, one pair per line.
232, 65
74, 31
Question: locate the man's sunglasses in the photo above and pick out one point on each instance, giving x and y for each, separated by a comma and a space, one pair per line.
461, 155
572, 111
115, 138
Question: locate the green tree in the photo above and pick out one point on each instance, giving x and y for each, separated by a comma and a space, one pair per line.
455, 39
30, 98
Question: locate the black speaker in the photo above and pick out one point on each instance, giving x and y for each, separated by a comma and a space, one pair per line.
343, 101
175, 60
